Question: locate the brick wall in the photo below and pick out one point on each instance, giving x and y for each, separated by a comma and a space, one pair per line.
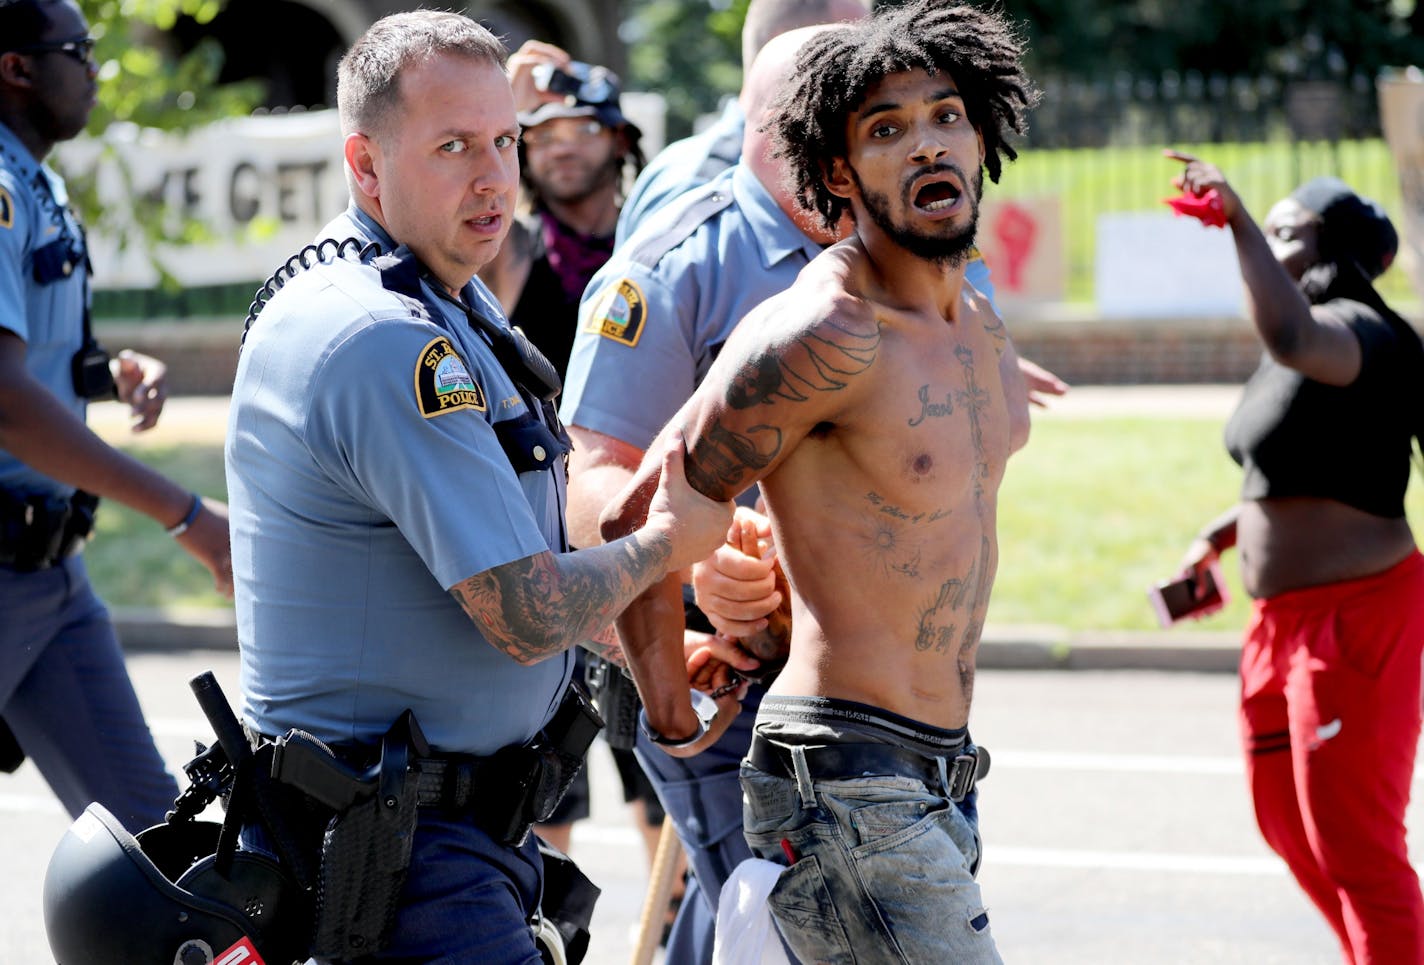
1096, 352
202, 354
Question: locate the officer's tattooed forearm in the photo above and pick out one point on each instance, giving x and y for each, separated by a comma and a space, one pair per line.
605, 644
536, 607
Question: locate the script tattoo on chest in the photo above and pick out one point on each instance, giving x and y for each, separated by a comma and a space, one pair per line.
931, 409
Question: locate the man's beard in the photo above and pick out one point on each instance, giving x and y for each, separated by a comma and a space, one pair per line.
590, 183
949, 250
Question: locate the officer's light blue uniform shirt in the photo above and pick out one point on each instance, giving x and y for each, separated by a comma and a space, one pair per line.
364, 480
681, 166
654, 317
48, 316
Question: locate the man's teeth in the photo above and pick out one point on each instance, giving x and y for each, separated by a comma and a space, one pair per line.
937, 205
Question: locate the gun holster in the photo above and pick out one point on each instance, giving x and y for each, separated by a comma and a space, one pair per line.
365, 849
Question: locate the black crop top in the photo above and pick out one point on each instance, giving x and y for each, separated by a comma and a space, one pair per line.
1294, 436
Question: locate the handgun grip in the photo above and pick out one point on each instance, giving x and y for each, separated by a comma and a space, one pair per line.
301, 761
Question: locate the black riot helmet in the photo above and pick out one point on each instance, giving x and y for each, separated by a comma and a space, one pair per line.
111, 898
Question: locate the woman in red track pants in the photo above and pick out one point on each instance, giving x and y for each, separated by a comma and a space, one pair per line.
1330, 669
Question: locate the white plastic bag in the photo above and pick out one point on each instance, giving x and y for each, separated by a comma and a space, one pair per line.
746, 935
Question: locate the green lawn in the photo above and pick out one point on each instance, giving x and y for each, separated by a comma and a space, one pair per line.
1091, 512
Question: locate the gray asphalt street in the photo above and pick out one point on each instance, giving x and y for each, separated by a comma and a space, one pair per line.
1116, 824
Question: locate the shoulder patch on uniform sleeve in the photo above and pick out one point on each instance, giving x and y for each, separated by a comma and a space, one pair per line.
7, 209
619, 312
443, 383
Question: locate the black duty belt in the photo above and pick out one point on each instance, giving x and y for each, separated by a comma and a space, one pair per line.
38, 532
967, 766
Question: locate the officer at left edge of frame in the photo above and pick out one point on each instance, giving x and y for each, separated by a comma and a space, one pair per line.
64, 690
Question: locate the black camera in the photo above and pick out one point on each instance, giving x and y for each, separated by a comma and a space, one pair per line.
93, 379
584, 82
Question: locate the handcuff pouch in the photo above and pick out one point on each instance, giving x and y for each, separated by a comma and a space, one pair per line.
538, 774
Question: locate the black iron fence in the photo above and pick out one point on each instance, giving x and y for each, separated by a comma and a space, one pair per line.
1127, 110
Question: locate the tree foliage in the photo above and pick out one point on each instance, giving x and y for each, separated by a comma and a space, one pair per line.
689, 49
1285, 39
144, 84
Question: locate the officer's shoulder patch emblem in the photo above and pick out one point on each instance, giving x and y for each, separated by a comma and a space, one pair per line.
7, 209
443, 383
619, 312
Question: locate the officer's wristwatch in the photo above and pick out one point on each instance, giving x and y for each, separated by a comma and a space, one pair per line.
702, 705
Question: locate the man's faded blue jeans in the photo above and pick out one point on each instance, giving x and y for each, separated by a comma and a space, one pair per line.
882, 868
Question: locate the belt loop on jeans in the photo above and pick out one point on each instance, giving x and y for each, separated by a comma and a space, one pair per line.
803, 776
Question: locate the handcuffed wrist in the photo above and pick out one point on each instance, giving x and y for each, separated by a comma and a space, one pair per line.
702, 705
181, 527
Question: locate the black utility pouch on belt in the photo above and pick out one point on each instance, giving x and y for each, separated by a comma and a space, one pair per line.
617, 698
365, 852
38, 532
537, 774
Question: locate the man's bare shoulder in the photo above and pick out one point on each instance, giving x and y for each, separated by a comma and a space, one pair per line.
825, 299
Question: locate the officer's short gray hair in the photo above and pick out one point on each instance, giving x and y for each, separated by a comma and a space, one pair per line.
367, 79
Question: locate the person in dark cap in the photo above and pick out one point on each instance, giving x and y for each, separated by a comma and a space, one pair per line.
577, 152
1330, 668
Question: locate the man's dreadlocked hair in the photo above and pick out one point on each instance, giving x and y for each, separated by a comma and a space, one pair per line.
835, 70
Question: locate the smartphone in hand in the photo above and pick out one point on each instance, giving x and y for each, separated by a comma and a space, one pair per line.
1175, 600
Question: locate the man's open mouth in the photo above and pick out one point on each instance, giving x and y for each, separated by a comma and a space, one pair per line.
937, 196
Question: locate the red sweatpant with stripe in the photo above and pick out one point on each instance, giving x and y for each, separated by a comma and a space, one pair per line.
1330, 717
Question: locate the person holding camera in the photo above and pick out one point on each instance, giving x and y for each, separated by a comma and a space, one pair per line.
1330, 666
577, 153
396, 473
64, 690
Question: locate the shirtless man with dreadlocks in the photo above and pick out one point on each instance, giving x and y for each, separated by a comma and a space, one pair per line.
876, 402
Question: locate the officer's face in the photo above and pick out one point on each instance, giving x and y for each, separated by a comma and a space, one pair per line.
64, 81
446, 167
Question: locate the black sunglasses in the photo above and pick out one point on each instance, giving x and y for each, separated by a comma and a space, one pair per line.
81, 50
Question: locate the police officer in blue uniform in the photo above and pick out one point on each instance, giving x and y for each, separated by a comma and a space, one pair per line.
651, 324
693, 161
396, 475
64, 690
